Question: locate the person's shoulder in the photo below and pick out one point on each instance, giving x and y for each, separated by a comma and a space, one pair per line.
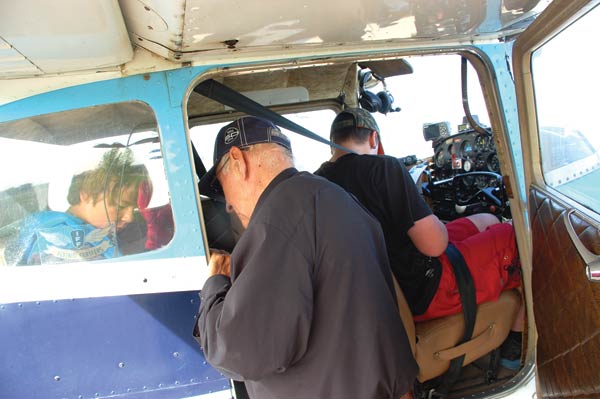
31, 225
306, 182
307, 179
48, 219
355, 162
388, 159
325, 166
370, 160
391, 164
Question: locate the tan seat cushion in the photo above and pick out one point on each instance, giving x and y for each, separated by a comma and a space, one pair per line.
434, 342
437, 339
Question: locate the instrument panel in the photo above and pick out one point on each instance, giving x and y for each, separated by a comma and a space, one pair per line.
464, 177
465, 152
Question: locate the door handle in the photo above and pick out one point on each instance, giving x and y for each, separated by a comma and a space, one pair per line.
592, 261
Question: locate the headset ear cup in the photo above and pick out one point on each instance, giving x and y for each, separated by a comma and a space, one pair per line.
369, 101
386, 101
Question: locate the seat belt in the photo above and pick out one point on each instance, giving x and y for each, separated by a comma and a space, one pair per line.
198, 164
466, 289
219, 92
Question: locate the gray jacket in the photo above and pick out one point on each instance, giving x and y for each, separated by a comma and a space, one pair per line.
310, 309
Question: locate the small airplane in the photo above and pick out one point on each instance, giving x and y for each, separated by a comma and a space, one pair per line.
488, 102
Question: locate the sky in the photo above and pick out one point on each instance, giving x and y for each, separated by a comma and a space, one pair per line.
567, 81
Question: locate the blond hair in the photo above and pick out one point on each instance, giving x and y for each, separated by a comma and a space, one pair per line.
115, 172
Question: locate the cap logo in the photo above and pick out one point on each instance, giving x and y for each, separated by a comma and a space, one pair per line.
231, 134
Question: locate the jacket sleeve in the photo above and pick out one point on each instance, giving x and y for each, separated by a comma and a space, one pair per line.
259, 324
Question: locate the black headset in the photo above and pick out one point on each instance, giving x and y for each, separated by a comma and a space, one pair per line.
380, 102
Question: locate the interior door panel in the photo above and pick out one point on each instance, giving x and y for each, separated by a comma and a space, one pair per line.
566, 303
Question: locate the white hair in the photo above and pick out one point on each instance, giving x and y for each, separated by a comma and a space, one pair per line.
270, 155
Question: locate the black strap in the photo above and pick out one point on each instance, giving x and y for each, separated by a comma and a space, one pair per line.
219, 92
200, 169
466, 289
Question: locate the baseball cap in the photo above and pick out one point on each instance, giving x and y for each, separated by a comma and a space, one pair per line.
241, 133
354, 117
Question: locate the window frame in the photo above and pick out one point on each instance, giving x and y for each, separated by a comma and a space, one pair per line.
561, 178
181, 265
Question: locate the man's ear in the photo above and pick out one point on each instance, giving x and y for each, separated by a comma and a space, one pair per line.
238, 162
373, 139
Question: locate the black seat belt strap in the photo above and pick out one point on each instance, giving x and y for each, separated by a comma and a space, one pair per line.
198, 164
219, 92
466, 289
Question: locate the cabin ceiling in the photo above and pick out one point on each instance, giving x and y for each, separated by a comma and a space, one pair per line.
325, 83
209, 25
40, 37
66, 128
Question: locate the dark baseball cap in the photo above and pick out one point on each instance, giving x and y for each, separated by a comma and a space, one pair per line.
354, 117
241, 133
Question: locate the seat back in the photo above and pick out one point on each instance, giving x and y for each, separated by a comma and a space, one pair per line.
406, 316
15, 204
434, 342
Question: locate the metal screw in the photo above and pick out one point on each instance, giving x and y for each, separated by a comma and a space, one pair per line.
231, 43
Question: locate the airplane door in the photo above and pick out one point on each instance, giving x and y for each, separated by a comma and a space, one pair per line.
556, 78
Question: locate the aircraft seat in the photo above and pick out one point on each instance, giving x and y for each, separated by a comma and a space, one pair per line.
434, 342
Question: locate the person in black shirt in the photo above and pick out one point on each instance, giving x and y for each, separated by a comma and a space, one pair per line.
415, 238
304, 307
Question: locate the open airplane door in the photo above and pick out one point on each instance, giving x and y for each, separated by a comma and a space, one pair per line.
556, 80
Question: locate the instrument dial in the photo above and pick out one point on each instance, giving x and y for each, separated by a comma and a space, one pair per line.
467, 165
480, 143
467, 147
493, 164
439, 159
481, 182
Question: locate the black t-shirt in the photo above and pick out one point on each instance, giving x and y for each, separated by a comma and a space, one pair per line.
384, 186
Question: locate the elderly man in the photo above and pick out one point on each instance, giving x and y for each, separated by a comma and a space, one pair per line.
304, 307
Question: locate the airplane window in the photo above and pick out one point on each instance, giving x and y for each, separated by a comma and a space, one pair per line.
308, 154
423, 97
430, 121
90, 186
427, 96
223, 230
569, 143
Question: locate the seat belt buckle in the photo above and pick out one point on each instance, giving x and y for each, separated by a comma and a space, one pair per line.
433, 394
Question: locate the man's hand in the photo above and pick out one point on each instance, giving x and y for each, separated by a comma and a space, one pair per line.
219, 263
